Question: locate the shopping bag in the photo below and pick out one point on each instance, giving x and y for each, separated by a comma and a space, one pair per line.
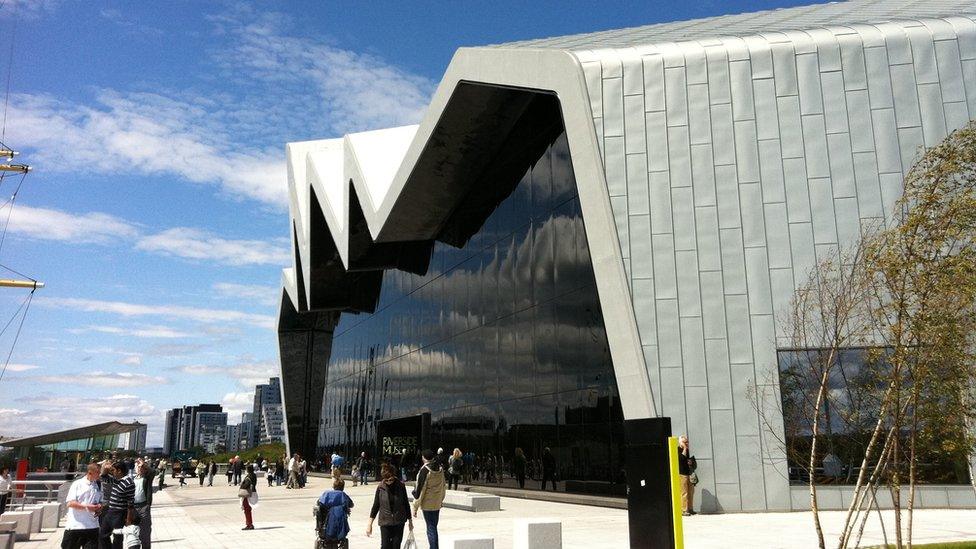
130, 536
410, 543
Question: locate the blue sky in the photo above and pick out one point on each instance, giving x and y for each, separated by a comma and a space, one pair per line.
156, 213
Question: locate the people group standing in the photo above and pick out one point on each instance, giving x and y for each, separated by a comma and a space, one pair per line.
121, 505
294, 465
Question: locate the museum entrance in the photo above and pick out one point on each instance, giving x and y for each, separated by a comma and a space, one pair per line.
400, 441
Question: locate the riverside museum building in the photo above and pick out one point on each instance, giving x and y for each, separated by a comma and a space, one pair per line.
589, 229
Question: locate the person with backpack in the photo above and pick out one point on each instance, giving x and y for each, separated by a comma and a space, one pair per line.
686, 473
335, 506
390, 509
429, 494
455, 466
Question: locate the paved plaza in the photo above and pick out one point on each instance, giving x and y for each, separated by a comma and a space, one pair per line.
210, 518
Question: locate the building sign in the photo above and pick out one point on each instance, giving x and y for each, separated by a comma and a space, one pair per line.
396, 444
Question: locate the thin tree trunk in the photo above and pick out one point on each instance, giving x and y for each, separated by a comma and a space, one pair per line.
814, 508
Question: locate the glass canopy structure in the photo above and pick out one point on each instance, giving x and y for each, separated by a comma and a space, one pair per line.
78, 445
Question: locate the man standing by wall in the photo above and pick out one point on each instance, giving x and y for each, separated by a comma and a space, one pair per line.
84, 500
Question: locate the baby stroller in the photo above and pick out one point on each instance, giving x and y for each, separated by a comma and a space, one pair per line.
322, 541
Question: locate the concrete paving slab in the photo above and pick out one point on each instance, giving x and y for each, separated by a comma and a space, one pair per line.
211, 518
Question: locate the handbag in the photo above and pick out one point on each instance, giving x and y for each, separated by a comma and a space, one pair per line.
693, 479
410, 543
243, 493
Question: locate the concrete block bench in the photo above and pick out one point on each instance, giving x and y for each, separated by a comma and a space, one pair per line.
52, 515
37, 517
538, 534
7, 540
472, 501
23, 520
467, 541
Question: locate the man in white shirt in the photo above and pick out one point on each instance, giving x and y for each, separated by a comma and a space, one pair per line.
84, 503
143, 502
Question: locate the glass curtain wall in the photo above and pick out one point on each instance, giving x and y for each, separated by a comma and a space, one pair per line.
847, 416
501, 342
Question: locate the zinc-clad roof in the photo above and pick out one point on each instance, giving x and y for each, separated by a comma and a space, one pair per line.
800, 18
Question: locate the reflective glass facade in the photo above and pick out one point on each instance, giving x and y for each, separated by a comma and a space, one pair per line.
501, 342
847, 417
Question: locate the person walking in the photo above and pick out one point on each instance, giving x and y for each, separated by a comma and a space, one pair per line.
686, 469
455, 465
429, 494
390, 509
211, 471
230, 472
335, 507
121, 507
5, 484
238, 469
84, 502
293, 465
248, 494
271, 474
161, 473
280, 470
142, 502
519, 467
202, 471
548, 468
362, 464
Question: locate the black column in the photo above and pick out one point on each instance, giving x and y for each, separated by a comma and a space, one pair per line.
649, 483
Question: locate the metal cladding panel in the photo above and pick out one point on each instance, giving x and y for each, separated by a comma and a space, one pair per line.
763, 154
736, 151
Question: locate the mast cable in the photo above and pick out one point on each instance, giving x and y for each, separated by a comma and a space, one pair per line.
10, 66
27, 302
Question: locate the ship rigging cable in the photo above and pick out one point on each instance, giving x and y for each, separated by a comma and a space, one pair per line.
25, 306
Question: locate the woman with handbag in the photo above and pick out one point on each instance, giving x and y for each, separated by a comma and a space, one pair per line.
248, 491
390, 505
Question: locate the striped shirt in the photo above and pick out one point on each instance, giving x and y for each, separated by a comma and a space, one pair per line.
123, 494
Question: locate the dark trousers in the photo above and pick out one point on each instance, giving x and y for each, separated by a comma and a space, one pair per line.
202, 476
144, 520
391, 537
453, 480
520, 476
546, 477
80, 539
113, 518
431, 518
4, 498
247, 512
237, 478
363, 475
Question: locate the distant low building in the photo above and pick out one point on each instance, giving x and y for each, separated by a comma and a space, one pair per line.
79, 445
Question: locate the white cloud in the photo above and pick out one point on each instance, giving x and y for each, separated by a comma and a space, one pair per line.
160, 332
46, 413
237, 403
131, 361
29, 9
184, 242
146, 134
99, 379
21, 367
248, 374
284, 88
48, 224
196, 244
265, 295
346, 91
168, 311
